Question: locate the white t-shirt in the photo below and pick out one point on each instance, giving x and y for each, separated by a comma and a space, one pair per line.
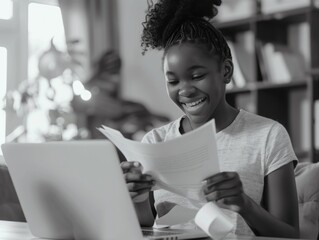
252, 146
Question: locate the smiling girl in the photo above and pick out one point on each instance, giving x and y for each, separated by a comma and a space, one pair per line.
256, 185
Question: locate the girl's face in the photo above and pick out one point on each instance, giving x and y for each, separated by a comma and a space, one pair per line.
195, 81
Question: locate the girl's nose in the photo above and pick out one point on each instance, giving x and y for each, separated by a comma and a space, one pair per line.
187, 91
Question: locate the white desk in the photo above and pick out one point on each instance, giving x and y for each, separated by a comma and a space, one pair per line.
20, 231
14, 231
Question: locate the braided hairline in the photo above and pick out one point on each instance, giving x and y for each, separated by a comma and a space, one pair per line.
200, 31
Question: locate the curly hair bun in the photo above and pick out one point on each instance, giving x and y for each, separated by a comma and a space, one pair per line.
166, 15
198, 8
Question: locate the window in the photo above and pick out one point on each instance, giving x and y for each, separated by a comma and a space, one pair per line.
6, 9
45, 26
24, 37
3, 87
44, 23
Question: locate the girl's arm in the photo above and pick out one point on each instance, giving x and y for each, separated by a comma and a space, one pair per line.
139, 186
145, 212
279, 215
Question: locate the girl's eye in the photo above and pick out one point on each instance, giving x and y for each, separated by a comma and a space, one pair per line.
172, 82
198, 77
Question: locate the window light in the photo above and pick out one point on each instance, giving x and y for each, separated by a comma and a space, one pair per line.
6, 9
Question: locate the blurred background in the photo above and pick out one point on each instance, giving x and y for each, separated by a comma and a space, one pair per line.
69, 66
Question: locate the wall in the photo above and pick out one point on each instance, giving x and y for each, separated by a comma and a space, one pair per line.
88, 22
143, 78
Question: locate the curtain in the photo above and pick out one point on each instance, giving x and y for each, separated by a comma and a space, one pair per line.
90, 30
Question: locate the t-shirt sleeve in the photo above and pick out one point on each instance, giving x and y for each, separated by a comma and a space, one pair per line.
148, 137
279, 150
155, 136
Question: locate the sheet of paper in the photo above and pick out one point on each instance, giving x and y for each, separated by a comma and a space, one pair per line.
178, 165
211, 219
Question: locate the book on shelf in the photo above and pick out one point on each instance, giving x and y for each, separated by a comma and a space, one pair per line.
299, 40
316, 116
280, 64
231, 10
247, 102
245, 52
275, 6
238, 76
275, 64
299, 115
295, 65
261, 62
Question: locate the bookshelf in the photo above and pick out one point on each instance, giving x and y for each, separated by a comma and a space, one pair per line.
282, 77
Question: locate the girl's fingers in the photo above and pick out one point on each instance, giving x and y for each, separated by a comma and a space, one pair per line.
224, 185
219, 177
226, 203
131, 166
223, 194
137, 177
139, 186
137, 193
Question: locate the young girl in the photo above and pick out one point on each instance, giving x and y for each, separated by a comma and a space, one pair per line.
256, 185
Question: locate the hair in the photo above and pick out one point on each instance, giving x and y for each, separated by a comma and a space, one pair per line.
172, 22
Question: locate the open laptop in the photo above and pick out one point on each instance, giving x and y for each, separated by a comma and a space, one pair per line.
76, 190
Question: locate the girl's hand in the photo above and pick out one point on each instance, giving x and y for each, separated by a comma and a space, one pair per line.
138, 184
226, 190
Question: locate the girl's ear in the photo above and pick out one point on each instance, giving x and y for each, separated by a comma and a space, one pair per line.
228, 69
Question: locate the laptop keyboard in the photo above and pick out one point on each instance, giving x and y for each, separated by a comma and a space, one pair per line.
164, 234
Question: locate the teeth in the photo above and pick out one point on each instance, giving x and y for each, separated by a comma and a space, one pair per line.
193, 104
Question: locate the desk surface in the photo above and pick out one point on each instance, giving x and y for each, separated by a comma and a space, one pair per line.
20, 231
14, 231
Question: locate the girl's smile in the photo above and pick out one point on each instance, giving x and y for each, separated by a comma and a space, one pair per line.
194, 106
